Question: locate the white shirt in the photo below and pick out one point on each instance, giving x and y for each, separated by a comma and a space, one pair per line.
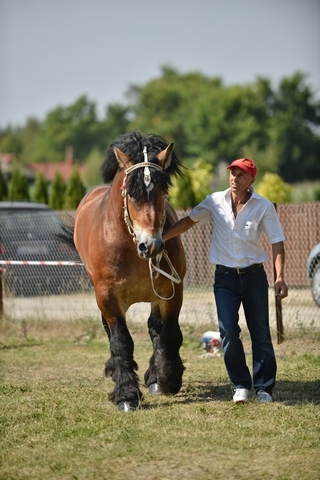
235, 241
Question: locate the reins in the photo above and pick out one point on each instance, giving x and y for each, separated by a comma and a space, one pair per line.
154, 270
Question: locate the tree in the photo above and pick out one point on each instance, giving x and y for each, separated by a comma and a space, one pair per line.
266, 160
3, 187
115, 124
181, 194
33, 140
75, 190
277, 127
92, 174
10, 141
294, 128
40, 191
274, 188
165, 105
18, 187
57, 192
201, 179
76, 125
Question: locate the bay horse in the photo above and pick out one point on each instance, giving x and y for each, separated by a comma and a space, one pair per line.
118, 235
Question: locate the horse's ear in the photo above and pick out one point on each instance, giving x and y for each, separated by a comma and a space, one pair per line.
164, 157
123, 159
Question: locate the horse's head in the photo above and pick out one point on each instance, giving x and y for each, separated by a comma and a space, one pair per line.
144, 189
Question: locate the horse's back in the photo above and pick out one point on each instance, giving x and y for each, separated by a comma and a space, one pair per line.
92, 196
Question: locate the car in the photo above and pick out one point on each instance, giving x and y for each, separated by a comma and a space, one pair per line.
29, 232
313, 272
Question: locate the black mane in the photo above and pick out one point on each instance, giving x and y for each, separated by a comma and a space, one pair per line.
132, 144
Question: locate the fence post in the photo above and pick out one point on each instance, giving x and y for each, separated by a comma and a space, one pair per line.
280, 332
1, 293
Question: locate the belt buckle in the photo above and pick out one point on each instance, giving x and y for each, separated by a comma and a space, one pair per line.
238, 271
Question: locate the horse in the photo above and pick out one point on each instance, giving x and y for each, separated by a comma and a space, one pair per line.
118, 235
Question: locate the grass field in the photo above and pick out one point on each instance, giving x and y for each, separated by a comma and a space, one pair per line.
56, 421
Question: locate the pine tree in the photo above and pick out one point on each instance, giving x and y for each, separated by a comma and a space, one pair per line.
18, 187
40, 192
3, 187
75, 190
57, 192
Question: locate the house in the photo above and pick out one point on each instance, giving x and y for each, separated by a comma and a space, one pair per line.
8, 161
49, 169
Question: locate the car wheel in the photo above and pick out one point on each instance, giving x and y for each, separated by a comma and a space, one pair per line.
315, 286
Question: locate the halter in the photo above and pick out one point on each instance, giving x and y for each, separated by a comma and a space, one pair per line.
154, 270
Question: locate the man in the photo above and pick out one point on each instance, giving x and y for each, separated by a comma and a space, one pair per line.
239, 217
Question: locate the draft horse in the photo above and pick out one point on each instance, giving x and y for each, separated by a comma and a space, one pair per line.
118, 235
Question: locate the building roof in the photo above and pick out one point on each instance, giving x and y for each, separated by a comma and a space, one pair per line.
49, 169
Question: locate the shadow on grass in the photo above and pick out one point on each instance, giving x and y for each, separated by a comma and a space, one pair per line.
297, 393
286, 392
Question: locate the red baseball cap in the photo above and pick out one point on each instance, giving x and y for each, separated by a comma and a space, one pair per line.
245, 164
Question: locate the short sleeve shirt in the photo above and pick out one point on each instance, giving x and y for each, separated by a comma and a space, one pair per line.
235, 241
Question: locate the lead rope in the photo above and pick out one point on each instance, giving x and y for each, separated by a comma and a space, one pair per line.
174, 277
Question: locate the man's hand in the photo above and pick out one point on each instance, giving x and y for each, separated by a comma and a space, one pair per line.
281, 290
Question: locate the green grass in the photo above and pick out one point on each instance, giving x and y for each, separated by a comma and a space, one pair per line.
56, 421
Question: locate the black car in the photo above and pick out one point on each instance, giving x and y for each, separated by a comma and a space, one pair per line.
28, 232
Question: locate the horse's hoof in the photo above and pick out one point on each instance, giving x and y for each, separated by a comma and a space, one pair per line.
127, 406
154, 389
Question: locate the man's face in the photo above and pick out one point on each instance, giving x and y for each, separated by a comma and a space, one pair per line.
240, 180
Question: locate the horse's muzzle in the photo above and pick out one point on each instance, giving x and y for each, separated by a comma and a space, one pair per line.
151, 249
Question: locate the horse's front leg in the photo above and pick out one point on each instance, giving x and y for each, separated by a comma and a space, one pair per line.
154, 328
167, 358
121, 365
166, 367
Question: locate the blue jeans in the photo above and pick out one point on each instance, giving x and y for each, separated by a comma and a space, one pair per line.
250, 289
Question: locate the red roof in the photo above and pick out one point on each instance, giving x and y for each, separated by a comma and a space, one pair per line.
49, 169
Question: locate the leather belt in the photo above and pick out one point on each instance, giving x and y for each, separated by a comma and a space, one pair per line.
239, 270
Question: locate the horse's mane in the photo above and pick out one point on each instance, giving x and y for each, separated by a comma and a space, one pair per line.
132, 144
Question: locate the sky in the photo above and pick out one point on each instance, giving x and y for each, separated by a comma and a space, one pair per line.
54, 51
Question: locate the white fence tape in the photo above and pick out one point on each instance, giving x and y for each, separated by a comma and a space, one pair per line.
36, 262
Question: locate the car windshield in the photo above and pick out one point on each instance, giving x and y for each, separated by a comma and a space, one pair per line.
36, 221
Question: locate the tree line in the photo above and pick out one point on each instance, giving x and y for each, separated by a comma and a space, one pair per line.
59, 195
208, 122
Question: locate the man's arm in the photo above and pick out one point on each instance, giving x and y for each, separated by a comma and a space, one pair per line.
281, 289
178, 228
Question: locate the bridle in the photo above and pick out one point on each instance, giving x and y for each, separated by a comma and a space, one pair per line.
149, 186
154, 270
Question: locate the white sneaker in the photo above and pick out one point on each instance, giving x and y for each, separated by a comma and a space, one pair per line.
241, 395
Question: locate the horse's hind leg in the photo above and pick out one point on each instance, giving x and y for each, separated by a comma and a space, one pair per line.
121, 367
154, 327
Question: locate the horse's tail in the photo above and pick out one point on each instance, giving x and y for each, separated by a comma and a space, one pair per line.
66, 236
